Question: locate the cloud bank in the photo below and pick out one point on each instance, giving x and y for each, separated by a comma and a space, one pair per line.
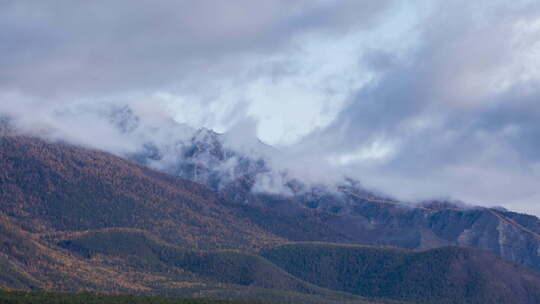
417, 99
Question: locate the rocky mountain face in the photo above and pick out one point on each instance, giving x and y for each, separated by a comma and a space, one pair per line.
200, 155
363, 219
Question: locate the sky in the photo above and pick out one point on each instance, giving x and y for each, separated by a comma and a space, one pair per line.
417, 99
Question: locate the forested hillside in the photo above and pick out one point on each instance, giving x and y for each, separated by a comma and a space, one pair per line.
442, 275
56, 187
79, 220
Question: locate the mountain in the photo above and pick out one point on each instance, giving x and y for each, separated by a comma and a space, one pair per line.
346, 212
75, 219
203, 157
61, 206
369, 220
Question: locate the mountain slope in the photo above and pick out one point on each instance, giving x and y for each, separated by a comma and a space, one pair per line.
425, 227
57, 187
352, 216
143, 252
121, 260
54, 195
443, 275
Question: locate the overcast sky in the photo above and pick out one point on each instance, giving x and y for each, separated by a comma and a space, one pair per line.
418, 99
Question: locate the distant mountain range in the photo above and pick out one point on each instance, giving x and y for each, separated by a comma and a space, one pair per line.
76, 219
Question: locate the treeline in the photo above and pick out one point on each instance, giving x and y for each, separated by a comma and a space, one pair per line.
40, 297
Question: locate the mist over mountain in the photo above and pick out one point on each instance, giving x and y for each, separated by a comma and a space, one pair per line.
158, 141
247, 177
421, 100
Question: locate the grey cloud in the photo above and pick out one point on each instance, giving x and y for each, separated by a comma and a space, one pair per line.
64, 64
458, 111
461, 109
101, 47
